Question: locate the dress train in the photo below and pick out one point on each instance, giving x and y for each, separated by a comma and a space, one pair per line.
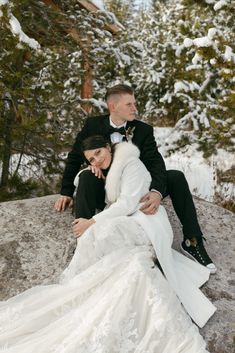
111, 298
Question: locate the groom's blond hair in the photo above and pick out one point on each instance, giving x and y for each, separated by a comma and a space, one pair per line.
118, 90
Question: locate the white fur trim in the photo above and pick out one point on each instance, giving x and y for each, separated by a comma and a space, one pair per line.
124, 153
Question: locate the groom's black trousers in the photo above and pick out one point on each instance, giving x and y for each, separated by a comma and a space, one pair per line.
90, 197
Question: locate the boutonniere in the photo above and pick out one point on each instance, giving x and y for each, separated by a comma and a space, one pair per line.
130, 133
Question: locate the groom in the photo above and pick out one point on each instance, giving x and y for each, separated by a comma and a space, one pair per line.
120, 125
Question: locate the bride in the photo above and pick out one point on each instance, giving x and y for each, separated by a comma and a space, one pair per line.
112, 298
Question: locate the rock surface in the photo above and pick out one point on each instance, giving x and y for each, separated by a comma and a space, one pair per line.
36, 244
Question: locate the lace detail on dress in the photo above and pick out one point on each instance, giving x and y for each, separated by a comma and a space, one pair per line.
112, 299
120, 234
9, 316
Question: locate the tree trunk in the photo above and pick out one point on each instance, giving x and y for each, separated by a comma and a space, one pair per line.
21, 155
9, 118
87, 87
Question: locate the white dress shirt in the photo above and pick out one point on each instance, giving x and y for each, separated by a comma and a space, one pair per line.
115, 136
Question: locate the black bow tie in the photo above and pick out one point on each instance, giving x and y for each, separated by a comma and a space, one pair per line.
120, 130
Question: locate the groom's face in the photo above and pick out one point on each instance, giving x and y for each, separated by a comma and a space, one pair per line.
123, 107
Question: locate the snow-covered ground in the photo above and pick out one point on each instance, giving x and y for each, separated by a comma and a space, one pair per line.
200, 172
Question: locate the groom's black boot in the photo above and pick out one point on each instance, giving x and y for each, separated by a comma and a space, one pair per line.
195, 249
178, 190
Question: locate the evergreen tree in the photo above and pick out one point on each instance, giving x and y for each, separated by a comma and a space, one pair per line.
42, 104
178, 55
185, 75
208, 51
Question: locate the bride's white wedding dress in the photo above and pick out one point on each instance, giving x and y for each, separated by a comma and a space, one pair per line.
112, 298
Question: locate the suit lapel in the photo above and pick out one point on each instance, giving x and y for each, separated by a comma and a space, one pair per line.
130, 124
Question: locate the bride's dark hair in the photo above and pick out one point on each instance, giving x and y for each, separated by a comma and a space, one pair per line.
93, 142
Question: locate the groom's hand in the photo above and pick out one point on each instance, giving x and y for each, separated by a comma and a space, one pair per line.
151, 201
62, 202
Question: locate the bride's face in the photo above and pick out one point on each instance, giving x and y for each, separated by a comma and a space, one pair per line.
99, 157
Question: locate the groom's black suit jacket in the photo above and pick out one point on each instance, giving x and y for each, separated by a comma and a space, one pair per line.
143, 138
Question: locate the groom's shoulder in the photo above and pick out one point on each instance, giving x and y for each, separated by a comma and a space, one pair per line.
143, 125
96, 118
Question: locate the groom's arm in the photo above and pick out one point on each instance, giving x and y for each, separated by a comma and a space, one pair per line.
74, 161
153, 161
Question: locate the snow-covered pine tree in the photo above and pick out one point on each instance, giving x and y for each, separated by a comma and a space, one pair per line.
185, 77
206, 82
44, 85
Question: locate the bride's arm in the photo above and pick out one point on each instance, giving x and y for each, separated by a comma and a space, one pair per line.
134, 184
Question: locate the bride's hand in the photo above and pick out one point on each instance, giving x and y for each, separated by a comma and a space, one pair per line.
97, 171
80, 225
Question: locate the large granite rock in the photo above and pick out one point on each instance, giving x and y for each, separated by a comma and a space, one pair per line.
36, 243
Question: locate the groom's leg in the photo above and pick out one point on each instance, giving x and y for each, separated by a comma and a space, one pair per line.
178, 190
90, 195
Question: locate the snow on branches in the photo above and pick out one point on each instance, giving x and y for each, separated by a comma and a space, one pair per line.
15, 26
